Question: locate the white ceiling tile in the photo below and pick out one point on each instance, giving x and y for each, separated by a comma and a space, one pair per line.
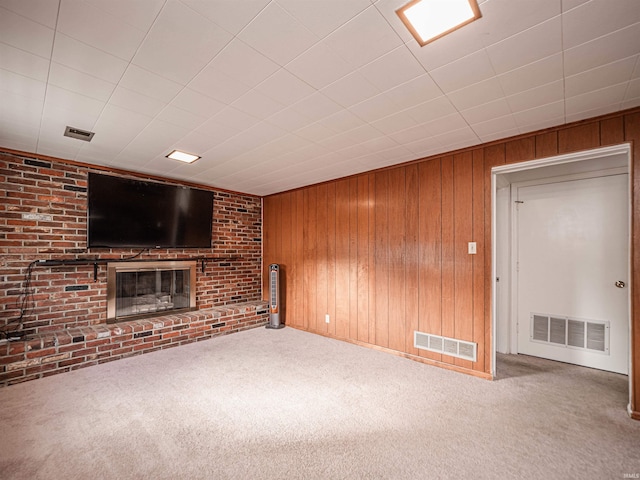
499, 125
413, 92
55, 118
461, 73
596, 99
257, 104
25, 34
217, 131
533, 44
487, 111
476, 94
232, 15
148, 83
350, 89
139, 14
540, 117
594, 112
58, 149
116, 127
364, 38
316, 106
393, 69
177, 30
569, 4
596, 18
285, 87
196, 142
613, 73
549, 93
234, 118
604, 50
23, 62
342, 121
502, 19
315, 132
464, 137
20, 110
633, 91
158, 138
136, 102
413, 134
289, 119
69, 100
458, 44
20, 85
87, 59
319, 66
223, 88
374, 109
79, 82
40, 11
538, 73
388, 9
636, 71
352, 137
197, 103
278, 35
432, 110
96, 27
241, 62
181, 118
395, 123
324, 16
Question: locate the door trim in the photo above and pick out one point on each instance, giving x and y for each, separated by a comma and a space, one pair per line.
569, 164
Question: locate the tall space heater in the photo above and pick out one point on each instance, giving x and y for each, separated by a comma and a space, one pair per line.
274, 299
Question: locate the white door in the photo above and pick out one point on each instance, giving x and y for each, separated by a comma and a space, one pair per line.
571, 257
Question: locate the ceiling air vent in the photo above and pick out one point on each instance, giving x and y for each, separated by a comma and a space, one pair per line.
79, 134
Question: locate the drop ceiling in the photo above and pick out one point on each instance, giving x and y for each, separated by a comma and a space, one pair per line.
278, 94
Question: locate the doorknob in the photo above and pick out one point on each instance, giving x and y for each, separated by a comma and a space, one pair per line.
620, 284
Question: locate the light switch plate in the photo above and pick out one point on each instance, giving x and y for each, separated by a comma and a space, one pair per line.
472, 248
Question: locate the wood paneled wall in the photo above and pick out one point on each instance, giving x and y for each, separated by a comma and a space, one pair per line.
384, 253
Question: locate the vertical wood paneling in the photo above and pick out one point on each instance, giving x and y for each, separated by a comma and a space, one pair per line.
372, 258
353, 258
430, 250
412, 257
612, 131
479, 259
331, 257
385, 253
580, 137
547, 144
297, 299
521, 150
382, 259
448, 253
286, 252
397, 286
321, 255
463, 234
363, 258
342, 259
310, 259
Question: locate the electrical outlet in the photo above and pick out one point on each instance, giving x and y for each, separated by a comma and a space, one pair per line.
327, 319
472, 248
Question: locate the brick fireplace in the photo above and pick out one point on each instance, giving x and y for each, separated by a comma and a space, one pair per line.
54, 289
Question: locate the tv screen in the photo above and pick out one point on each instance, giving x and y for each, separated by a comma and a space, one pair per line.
123, 212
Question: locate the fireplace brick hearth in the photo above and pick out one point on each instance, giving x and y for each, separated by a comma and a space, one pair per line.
43, 220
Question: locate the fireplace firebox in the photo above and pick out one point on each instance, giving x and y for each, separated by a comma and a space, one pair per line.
143, 289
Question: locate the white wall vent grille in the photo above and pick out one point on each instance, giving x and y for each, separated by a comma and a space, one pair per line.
569, 332
445, 345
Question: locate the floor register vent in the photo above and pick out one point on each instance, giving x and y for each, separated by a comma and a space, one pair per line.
570, 332
445, 345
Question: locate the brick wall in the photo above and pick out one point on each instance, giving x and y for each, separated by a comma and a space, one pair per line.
43, 217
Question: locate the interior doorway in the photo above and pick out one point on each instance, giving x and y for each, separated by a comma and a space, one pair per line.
548, 327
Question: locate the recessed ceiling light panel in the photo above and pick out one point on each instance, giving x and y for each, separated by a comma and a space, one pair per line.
428, 20
182, 156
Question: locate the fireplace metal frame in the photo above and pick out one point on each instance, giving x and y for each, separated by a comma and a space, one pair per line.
162, 265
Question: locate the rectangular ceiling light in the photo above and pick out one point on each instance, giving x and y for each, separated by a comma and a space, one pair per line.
428, 20
182, 156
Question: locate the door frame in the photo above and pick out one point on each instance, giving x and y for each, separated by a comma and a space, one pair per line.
562, 165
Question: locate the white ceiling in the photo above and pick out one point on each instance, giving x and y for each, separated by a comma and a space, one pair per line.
277, 94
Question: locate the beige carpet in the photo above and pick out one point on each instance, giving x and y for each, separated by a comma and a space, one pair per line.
285, 404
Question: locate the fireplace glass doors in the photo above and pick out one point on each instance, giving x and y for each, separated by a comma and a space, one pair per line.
140, 289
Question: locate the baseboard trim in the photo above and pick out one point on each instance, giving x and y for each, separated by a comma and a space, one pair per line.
632, 413
427, 361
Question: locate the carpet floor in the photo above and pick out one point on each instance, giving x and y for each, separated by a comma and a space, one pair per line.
286, 404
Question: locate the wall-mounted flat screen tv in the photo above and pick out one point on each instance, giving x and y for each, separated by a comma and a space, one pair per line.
124, 212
